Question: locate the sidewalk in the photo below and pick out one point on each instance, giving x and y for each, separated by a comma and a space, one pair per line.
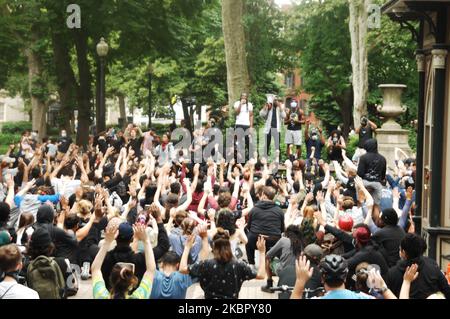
250, 290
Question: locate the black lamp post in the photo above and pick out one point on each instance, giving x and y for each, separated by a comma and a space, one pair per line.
150, 75
102, 51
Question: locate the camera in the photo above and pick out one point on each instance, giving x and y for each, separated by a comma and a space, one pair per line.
364, 121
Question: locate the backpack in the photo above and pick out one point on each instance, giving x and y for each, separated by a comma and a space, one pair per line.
45, 276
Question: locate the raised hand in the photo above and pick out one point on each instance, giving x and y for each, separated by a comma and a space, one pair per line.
303, 270
202, 230
319, 197
140, 232
411, 273
111, 233
261, 244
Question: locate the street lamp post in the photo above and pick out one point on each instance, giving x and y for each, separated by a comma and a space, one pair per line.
150, 75
102, 51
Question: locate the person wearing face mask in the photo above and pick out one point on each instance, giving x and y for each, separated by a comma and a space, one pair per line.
335, 145
294, 119
314, 141
64, 142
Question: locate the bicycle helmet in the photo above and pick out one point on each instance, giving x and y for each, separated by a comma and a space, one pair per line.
334, 268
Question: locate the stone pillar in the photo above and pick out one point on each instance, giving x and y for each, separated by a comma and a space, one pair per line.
391, 135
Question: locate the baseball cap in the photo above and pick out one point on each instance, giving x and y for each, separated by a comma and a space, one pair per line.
389, 216
313, 251
5, 238
126, 232
362, 235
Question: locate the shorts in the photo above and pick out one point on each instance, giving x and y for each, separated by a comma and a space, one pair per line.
293, 137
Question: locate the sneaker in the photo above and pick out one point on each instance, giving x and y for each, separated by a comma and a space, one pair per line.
85, 271
267, 287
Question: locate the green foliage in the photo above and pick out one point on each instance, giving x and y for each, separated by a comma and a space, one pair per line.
8, 139
16, 127
352, 144
320, 32
412, 139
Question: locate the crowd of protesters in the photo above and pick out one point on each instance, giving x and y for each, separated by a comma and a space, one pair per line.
142, 223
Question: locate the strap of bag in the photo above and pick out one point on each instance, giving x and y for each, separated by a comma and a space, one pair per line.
8, 290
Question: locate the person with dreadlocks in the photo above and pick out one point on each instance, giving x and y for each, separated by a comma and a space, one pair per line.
287, 250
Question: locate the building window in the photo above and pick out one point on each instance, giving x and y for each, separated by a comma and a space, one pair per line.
2, 112
289, 80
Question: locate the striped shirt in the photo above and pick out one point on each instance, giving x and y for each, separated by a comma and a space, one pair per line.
143, 292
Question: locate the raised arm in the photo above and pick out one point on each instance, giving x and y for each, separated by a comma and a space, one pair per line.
150, 263
185, 257
339, 172
188, 201
348, 161
10, 196
303, 273
196, 172
110, 236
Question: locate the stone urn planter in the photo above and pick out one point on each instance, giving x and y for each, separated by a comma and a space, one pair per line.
391, 135
392, 104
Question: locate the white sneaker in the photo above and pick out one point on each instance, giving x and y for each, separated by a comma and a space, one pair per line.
85, 271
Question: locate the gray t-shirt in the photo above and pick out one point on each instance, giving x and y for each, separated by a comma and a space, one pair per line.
283, 251
16, 291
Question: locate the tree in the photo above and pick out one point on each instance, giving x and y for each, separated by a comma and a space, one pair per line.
238, 79
358, 24
323, 47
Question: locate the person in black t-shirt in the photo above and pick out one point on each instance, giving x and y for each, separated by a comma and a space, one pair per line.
294, 119
365, 132
64, 142
222, 276
135, 143
335, 145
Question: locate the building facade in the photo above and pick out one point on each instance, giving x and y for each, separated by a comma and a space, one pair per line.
433, 139
12, 109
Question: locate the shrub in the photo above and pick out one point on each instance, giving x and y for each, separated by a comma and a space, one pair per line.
352, 144
16, 127
8, 139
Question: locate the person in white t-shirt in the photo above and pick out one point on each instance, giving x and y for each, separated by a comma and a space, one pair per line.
244, 117
10, 265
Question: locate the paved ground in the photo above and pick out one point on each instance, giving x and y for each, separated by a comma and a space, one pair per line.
250, 290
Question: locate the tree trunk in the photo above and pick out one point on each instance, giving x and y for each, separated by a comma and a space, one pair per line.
67, 85
122, 110
85, 89
358, 33
38, 106
238, 80
345, 104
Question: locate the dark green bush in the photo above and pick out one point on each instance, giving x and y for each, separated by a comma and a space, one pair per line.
16, 127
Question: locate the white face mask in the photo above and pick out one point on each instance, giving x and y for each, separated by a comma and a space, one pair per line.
293, 104
63, 134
